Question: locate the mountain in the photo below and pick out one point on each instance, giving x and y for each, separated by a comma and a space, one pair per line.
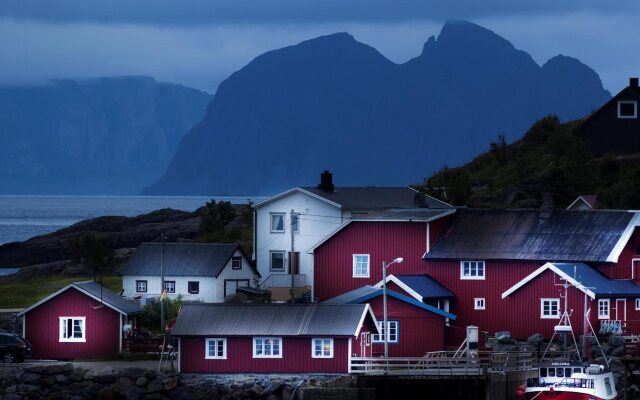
93, 136
334, 103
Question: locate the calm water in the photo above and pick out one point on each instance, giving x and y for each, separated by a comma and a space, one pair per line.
22, 217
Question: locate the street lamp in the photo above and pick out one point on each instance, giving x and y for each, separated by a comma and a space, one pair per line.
384, 302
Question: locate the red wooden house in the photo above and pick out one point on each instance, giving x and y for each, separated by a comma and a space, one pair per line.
272, 338
81, 320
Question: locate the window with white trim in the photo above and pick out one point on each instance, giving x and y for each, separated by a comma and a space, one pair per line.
393, 332
141, 286
215, 348
170, 286
276, 260
637, 304
322, 348
603, 309
361, 265
277, 222
627, 109
478, 303
267, 347
549, 308
72, 329
471, 269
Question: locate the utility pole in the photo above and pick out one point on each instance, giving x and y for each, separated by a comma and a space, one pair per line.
291, 260
162, 283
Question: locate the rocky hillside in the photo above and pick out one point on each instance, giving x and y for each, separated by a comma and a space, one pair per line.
93, 136
338, 104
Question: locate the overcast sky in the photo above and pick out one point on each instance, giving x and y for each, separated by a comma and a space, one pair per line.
199, 43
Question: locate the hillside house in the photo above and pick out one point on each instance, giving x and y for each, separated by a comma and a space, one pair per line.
286, 226
206, 272
272, 338
81, 320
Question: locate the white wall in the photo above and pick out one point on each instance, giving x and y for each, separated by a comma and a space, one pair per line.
206, 294
317, 219
228, 273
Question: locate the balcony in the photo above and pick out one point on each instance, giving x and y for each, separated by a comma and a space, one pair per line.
280, 286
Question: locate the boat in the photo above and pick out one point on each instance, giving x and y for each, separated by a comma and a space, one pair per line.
570, 378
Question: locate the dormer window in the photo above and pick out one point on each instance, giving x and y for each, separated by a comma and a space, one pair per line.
627, 109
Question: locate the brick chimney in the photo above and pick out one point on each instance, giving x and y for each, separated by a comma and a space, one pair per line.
326, 182
633, 82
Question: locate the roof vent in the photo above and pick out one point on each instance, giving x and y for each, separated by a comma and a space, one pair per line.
546, 209
633, 82
326, 182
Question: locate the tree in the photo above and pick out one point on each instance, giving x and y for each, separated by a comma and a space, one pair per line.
94, 251
216, 216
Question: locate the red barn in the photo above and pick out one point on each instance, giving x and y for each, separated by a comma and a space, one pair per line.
272, 338
81, 320
415, 328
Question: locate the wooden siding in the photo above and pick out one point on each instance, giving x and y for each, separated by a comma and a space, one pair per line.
206, 293
246, 273
623, 268
383, 241
435, 229
42, 326
296, 357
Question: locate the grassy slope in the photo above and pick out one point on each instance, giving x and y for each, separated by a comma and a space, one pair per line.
23, 293
549, 158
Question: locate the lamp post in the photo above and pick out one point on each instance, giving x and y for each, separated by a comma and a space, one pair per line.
384, 302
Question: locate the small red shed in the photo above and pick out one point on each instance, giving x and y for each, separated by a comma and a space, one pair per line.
272, 338
81, 320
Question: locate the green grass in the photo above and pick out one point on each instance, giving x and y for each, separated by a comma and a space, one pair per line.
25, 292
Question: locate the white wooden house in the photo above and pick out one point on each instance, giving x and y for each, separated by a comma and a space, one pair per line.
196, 271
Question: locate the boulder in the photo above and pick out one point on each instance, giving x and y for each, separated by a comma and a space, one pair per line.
101, 375
615, 341
53, 369
155, 386
29, 377
142, 381
61, 379
535, 339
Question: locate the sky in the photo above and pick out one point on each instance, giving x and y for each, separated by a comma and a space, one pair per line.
198, 43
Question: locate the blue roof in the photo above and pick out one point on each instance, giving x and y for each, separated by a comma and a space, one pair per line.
426, 286
366, 293
599, 283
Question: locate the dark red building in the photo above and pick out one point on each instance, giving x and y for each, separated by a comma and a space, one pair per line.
272, 338
82, 320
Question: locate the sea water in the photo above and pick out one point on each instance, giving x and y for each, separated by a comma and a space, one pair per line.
22, 217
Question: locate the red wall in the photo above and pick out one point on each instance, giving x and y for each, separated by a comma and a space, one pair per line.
384, 241
296, 352
43, 326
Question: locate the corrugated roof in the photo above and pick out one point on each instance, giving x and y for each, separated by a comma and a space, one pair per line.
269, 319
362, 198
407, 214
109, 297
598, 283
353, 296
523, 235
426, 286
180, 259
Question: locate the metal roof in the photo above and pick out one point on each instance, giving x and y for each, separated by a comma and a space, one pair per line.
523, 235
407, 214
367, 293
598, 283
180, 259
270, 319
372, 197
425, 286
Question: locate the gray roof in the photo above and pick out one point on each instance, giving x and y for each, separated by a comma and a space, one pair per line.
353, 296
108, 297
425, 286
408, 214
597, 282
269, 319
523, 235
372, 197
180, 259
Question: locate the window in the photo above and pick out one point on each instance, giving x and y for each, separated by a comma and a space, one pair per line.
549, 308
236, 262
170, 286
627, 109
267, 347
277, 261
215, 348
637, 304
193, 287
277, 222
393, 332
471, 269
478, 303
72, 329
361, 265
607, 386
603, 309
295, 223
141, 286
322, 348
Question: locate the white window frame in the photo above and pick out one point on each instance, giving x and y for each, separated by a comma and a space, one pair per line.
284, 261
62, 324
550, 301
322, 354
635, 109
262, 340
394, 332
271, 225
170, 286
479, 303
637, 304
139, 283
357, 263
602, 315
473, 272
208, 356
